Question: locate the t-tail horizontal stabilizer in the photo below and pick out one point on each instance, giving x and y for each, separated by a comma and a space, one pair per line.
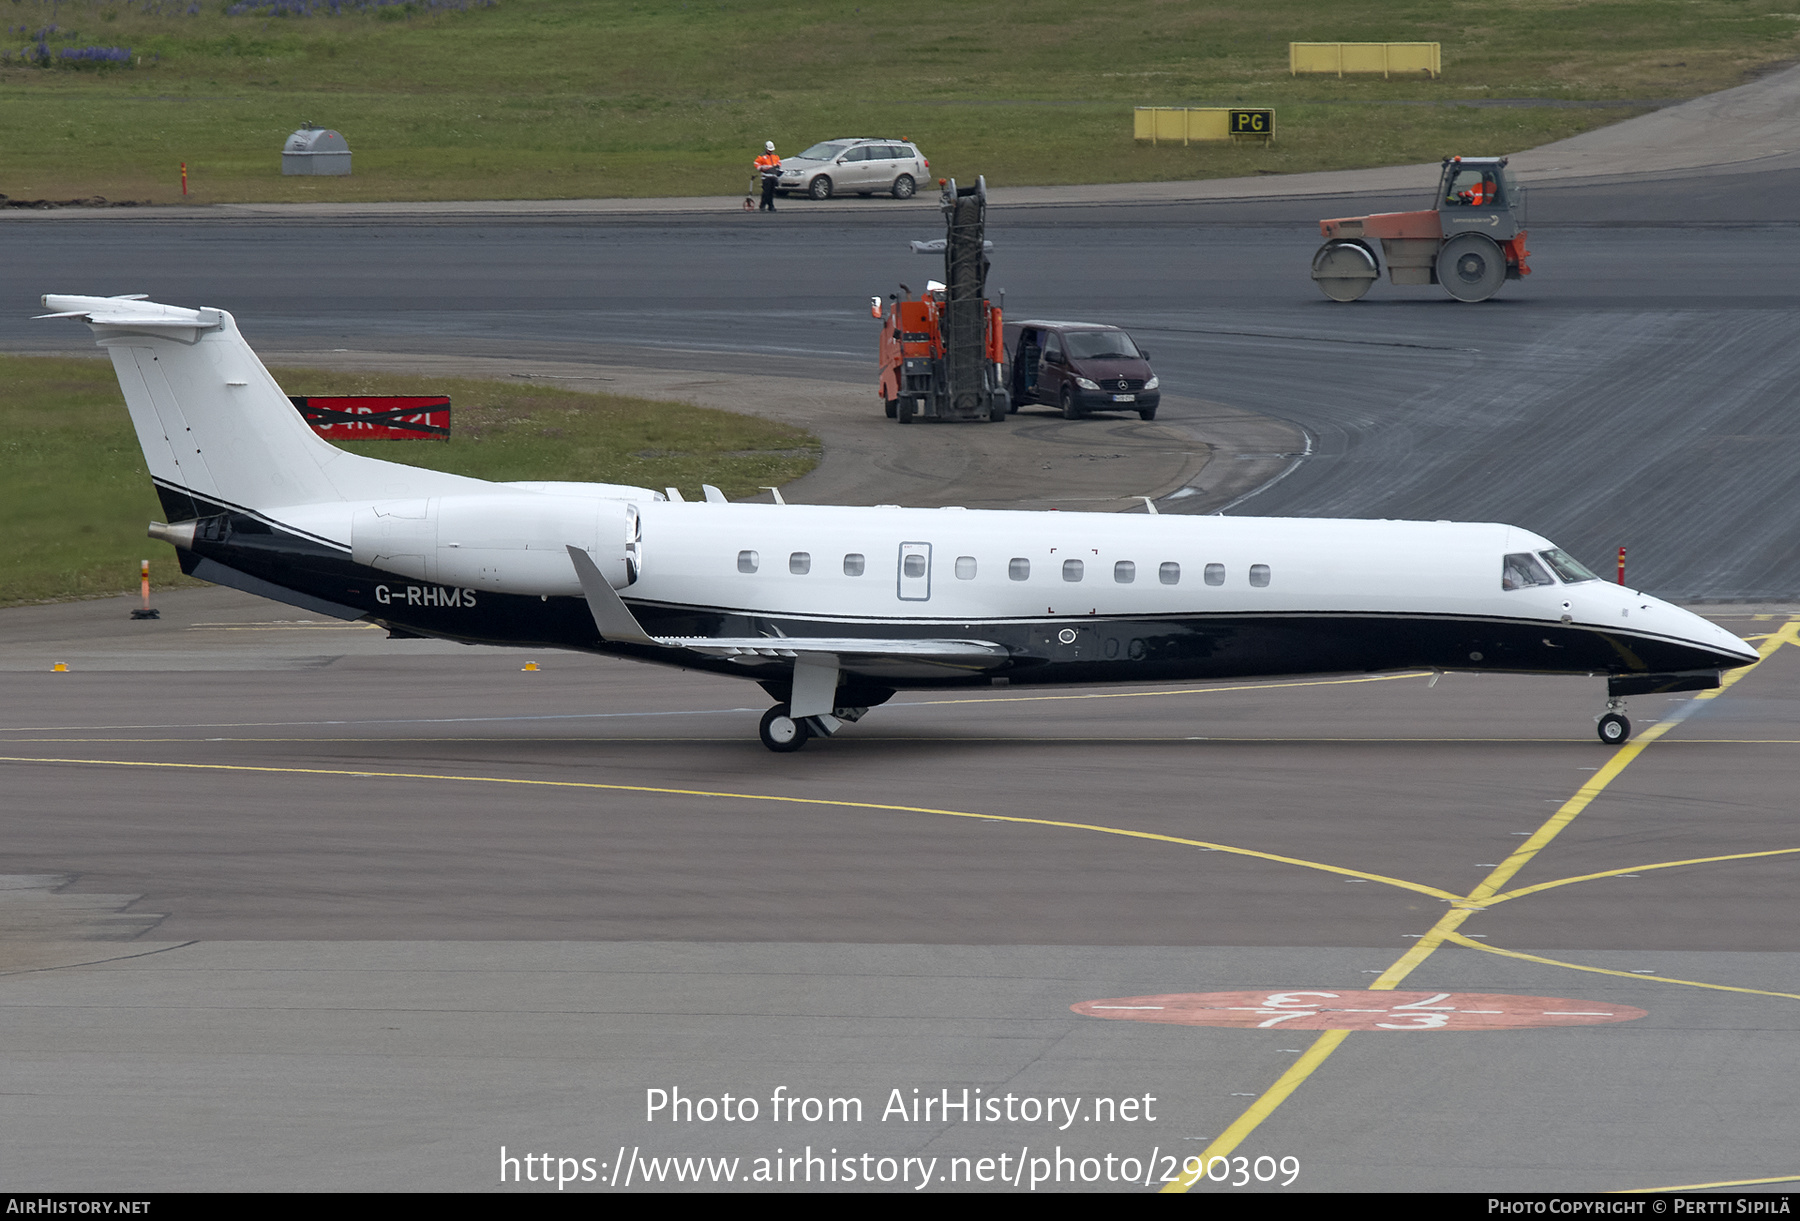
216, 430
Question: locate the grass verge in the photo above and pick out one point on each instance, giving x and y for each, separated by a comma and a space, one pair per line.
449, 99
75, 494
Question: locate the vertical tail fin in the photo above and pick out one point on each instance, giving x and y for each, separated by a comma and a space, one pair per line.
210, 419
214, 426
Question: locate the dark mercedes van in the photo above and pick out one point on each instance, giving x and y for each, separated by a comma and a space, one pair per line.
1081, 367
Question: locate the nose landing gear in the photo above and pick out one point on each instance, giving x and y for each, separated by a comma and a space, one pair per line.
1613, 728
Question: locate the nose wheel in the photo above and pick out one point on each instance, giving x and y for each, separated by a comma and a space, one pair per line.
1612, 726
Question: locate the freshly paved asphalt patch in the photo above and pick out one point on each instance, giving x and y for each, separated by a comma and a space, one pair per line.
1633, 391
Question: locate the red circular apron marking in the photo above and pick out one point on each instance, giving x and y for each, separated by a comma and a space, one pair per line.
1347, 1009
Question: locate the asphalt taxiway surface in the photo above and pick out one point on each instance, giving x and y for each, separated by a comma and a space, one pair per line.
289, 905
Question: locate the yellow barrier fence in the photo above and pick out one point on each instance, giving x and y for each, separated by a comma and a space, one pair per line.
1186, 124
1387, 58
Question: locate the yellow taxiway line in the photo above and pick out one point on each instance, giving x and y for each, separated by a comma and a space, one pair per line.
1638, 1191
1127, 832
1459, 939
1489, 892
1445, 929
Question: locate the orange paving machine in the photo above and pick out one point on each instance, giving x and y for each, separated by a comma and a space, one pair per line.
942, 355
1471, 242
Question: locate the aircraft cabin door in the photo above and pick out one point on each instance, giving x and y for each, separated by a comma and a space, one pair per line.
915, 572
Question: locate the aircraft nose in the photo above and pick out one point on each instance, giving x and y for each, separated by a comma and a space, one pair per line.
1729, 650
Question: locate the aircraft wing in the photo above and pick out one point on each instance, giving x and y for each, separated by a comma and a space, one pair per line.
619, 625
964, 651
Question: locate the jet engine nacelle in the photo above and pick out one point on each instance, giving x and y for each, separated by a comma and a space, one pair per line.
514, 543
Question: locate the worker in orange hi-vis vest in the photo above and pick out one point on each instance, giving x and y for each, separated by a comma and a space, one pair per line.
1481, 193
769, 166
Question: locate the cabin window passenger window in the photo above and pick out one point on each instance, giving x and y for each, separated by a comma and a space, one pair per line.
746, 561
913, 565
965, 568
1169, 573
1018, 570
1259, 575
1071, 570
1521, 571
800, 563
1125, 572
853, 565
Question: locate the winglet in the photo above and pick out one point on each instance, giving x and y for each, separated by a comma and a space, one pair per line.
614, 619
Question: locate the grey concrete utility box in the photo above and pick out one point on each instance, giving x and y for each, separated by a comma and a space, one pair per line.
315, 150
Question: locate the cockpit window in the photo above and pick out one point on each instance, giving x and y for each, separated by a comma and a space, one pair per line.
1522, 571
1567, 566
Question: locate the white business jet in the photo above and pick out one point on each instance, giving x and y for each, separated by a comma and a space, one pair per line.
832, 610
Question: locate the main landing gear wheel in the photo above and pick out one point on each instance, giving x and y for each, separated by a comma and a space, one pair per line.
1614, 729
1344, 270
780, 732
1471, 267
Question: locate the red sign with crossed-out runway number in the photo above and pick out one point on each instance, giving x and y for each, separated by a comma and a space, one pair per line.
376, 417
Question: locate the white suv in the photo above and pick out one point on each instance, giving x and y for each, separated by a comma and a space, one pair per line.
838, 167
